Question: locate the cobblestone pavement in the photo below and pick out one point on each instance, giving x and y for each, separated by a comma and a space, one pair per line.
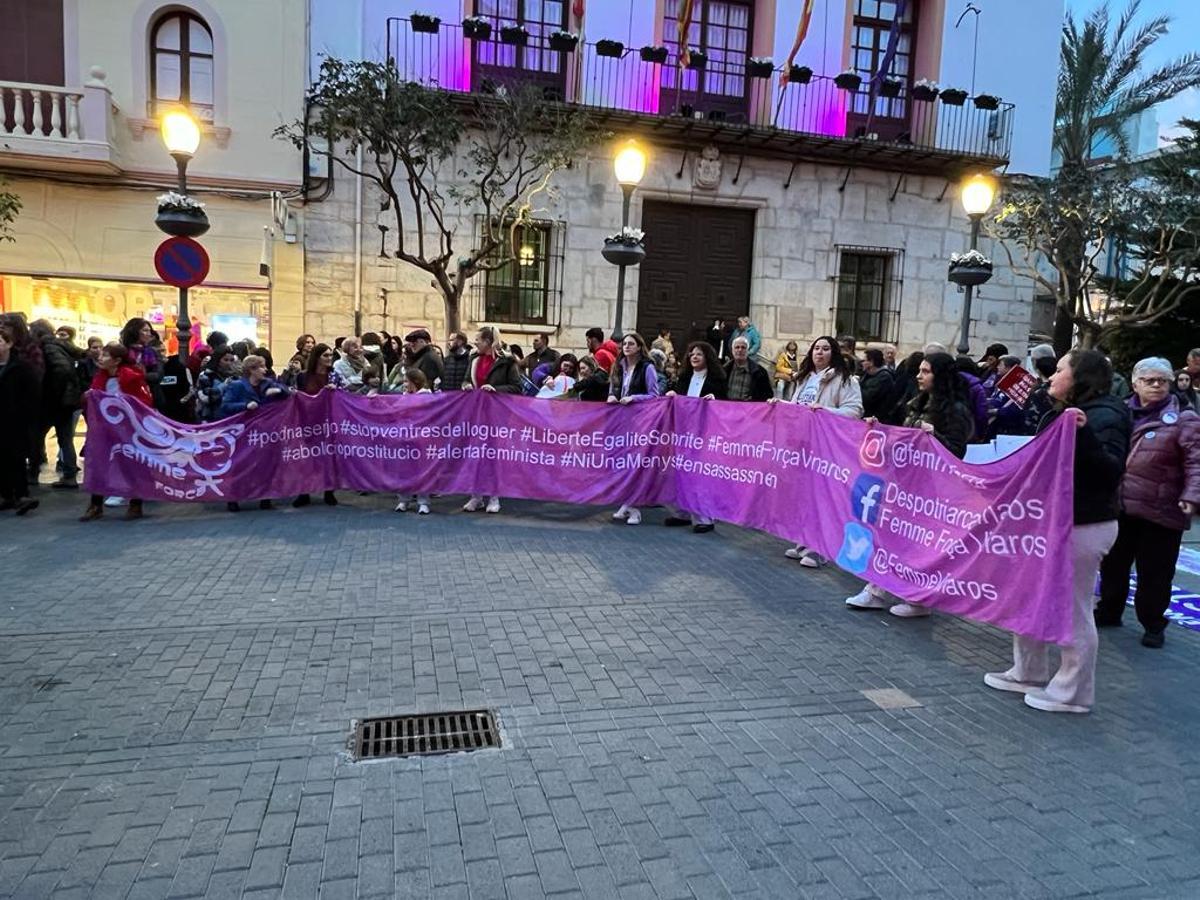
683, 715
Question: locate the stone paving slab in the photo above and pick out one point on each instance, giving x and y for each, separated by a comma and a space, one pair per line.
682, 716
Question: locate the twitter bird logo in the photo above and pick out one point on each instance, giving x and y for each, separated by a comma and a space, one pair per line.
857, 546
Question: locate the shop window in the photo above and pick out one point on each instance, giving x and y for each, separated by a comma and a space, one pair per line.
181, 65
868, 283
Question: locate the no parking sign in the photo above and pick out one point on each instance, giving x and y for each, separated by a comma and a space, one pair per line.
181, 262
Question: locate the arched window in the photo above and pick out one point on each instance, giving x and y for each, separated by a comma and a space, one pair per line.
181, 65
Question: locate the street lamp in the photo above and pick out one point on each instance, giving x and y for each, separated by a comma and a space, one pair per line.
977, 195
630, 167
181, 136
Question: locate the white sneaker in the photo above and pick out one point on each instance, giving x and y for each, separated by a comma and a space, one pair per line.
622, 513
812, 560
422, 509
635, 517
493, 504
864, 599
796, 552
1002, 681
114, 501
1038, 700
402, 506
910, 611
475, 504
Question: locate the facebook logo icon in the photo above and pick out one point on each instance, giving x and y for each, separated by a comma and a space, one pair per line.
865, 498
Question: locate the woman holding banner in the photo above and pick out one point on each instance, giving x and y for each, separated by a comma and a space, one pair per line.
1080, 388
494, 372
1160, 493
824, 380
118, 374
704, 377
940, 409
633, 378
318, 375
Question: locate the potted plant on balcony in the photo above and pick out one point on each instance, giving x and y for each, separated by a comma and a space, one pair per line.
954, 96
625, 248
180, 215
611, 49
653, 54
799, 75
987, 101
971, 267
514, 34
890, 87
563, 41
848, 80
477, 28
424, 23
760, 67
925, 90
697, 58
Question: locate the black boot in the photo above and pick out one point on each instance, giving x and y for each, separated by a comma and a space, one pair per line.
1154, 639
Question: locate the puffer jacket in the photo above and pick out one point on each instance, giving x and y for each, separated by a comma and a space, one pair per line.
1163, 466
954, 433
1100, 450
843, 397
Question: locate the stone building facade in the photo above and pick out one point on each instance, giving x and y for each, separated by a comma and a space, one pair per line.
799, 234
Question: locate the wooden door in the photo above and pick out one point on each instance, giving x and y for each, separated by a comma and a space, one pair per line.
697, 268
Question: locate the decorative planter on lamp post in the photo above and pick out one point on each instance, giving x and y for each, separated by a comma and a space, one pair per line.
625, 248
181, 215
972, 268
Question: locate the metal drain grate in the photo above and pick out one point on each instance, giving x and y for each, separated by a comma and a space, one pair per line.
447, 732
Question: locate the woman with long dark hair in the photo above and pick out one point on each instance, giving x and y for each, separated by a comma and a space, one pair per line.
138, 338
633, 378
824, 380
939, 409
1081, 388
702, 377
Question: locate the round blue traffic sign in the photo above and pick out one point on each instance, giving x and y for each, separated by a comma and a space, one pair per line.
181, 262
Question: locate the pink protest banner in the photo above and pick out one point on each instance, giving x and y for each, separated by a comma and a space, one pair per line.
889, 504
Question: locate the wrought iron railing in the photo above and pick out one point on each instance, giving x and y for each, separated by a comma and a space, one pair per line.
722, 89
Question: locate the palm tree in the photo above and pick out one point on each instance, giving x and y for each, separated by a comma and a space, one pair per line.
1102, 86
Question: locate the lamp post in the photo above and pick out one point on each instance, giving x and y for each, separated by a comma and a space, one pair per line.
629, 166
181, 135
977, 195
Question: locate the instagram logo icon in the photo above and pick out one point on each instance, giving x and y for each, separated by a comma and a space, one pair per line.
870, 451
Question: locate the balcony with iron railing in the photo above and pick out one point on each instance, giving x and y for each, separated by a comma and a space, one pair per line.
725, 99
46, 126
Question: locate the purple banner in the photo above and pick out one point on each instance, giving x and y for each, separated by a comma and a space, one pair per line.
988, 542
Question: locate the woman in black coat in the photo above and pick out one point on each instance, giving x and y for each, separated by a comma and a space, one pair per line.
702, 376
1081, 390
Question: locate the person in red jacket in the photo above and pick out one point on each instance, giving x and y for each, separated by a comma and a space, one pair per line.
118, 375
1160, 492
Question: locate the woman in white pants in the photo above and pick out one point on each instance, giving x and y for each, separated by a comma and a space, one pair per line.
825, 380
633, 378
1080, 388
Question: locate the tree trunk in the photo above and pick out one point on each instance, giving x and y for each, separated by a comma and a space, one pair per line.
1064, 330
451, 300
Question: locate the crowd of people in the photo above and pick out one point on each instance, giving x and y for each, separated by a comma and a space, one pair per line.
1137, 458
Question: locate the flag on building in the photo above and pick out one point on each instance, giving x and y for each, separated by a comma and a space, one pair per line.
684, 26
801, 33
889, 55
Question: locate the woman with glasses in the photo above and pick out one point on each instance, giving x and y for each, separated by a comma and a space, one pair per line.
1159, 494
